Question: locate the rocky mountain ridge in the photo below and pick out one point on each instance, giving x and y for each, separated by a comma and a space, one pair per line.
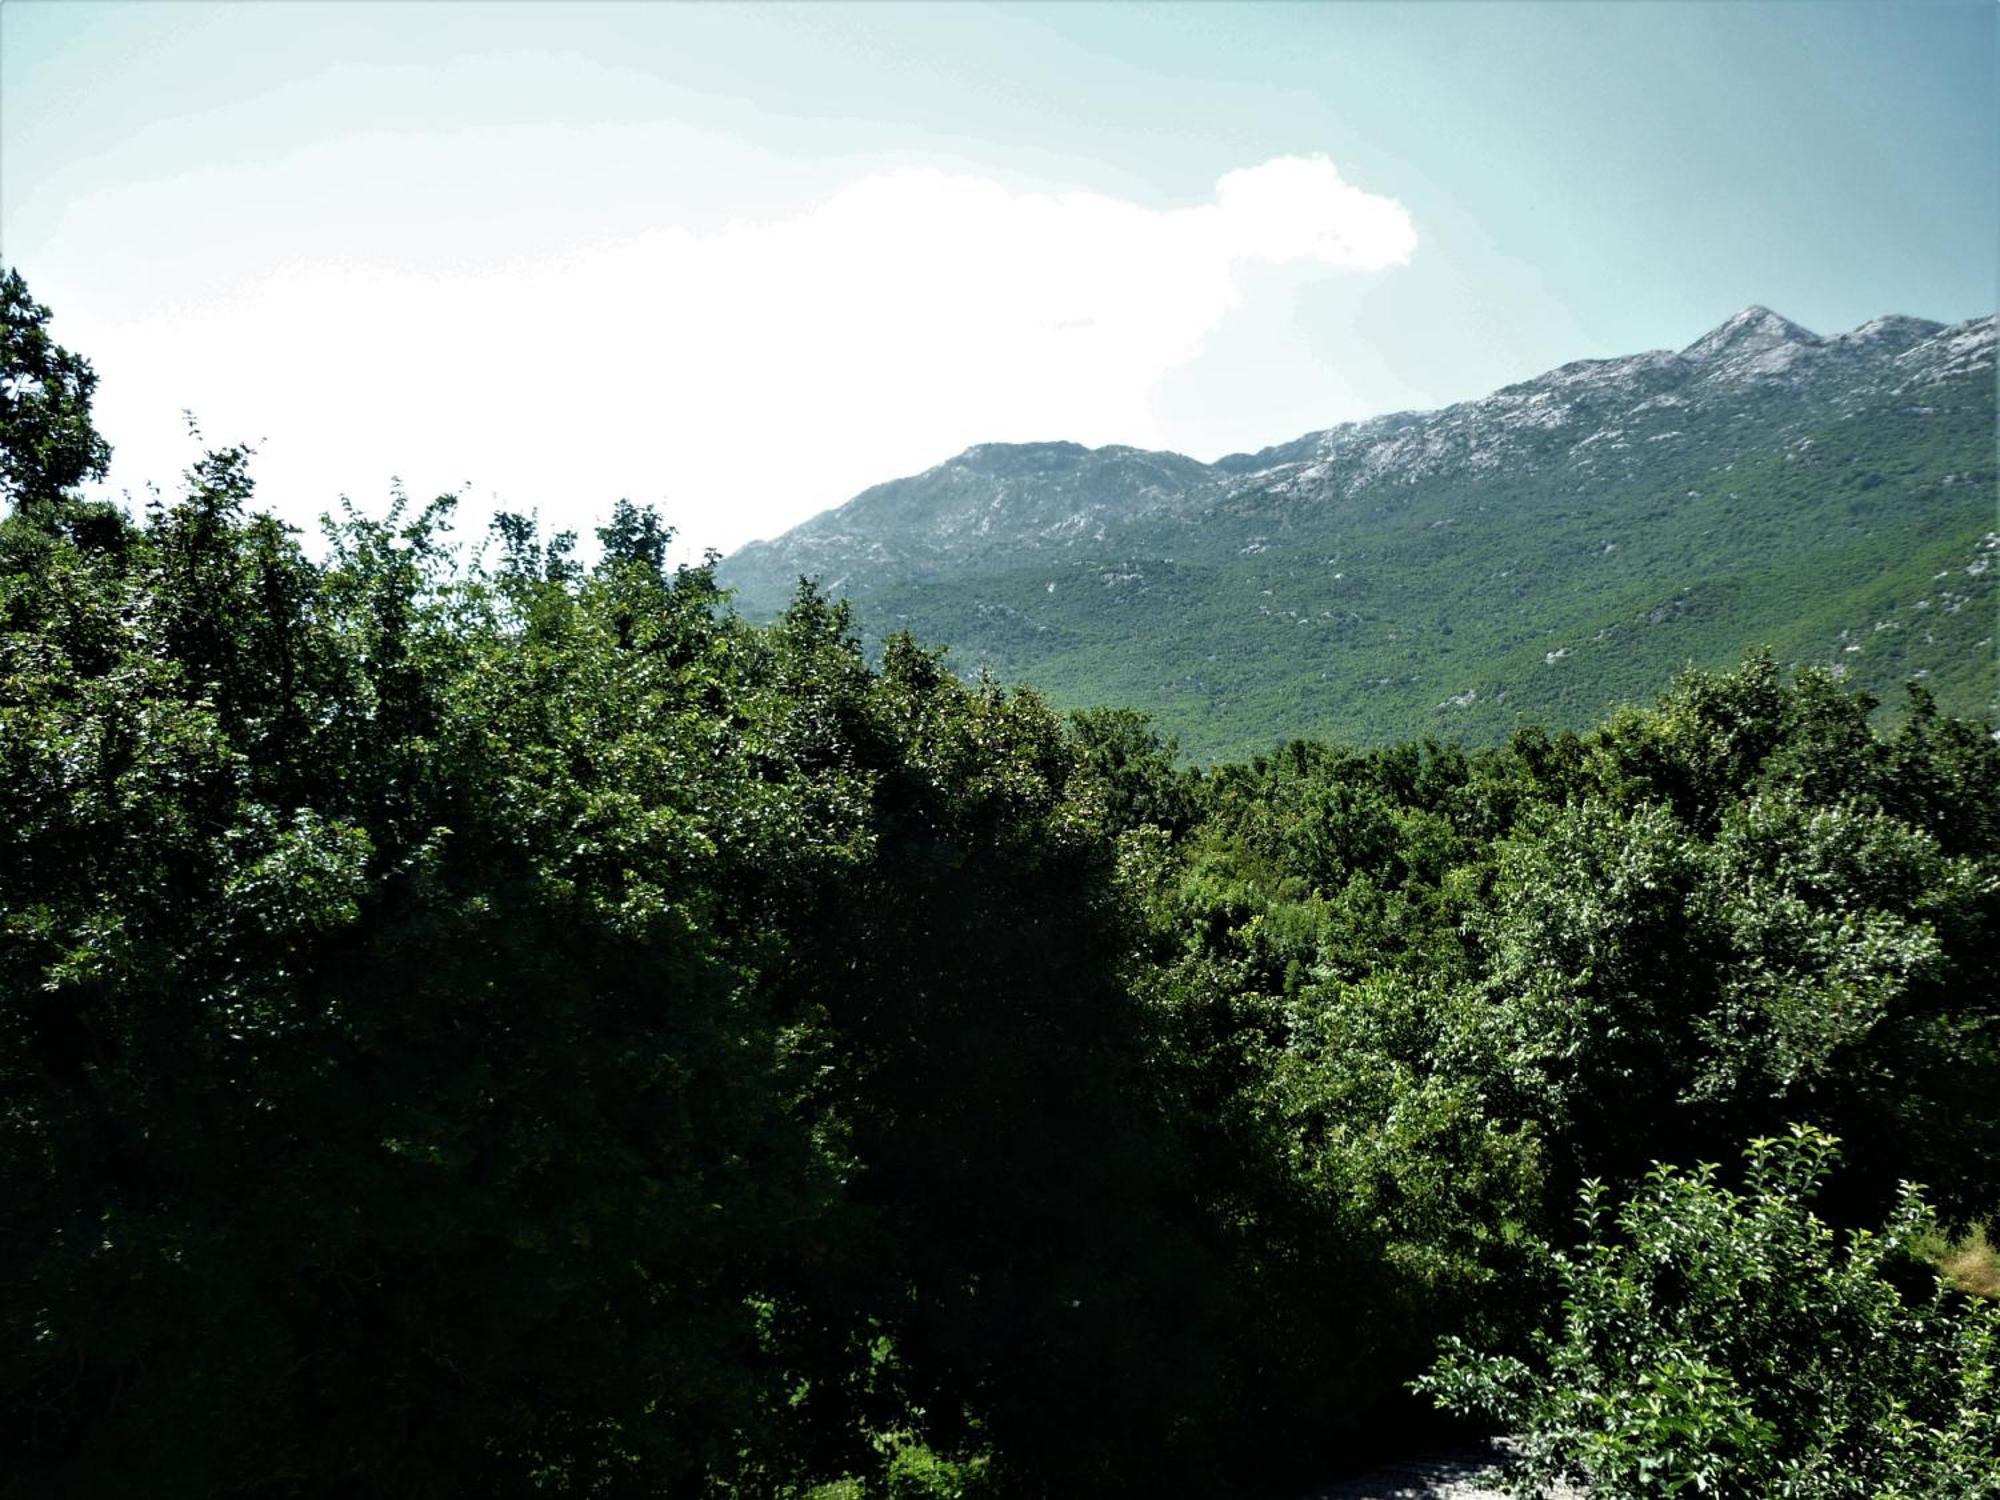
1595, 417
1540, 553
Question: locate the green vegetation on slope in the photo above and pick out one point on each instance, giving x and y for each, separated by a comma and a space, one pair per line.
1466, 613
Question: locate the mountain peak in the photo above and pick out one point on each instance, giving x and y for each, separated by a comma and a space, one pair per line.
1016, 458
1893, 328
1756, 328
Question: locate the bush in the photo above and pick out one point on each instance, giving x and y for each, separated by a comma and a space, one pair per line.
1723, 1342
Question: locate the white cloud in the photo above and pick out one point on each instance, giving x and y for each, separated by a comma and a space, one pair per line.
744, 378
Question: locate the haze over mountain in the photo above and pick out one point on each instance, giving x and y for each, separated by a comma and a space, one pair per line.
1542, 553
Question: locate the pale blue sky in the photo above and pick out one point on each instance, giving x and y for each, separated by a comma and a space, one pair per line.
679, 252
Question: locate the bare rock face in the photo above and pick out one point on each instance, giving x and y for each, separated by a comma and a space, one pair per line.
1756, 344
994, 500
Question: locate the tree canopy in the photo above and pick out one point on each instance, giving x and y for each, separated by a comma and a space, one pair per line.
475, 1018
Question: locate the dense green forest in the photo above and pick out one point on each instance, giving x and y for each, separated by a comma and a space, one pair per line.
482, 1022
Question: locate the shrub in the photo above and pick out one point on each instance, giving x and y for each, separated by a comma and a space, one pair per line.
1728, 1342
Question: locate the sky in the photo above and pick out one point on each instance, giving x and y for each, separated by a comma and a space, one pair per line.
742, 261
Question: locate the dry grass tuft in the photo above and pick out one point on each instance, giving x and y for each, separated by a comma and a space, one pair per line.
1972, 1265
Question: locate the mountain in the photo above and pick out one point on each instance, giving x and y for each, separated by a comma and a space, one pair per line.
1542, 553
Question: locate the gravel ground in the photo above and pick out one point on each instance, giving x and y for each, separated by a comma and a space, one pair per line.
1452, 1475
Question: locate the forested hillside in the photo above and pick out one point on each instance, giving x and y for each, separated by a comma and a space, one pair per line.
1539, 556
473, 1022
